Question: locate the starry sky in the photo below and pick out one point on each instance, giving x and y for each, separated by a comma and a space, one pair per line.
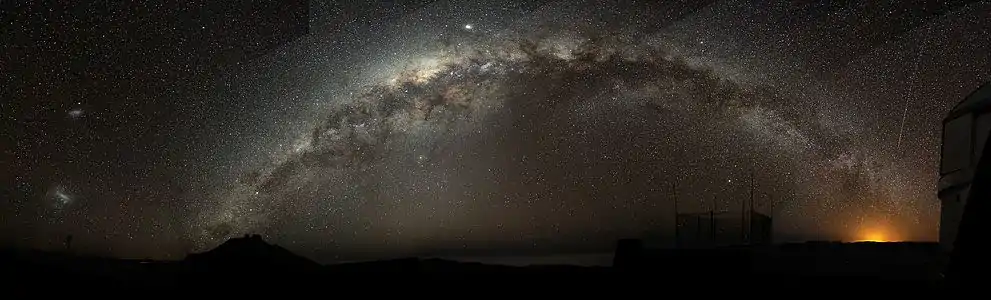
348, 130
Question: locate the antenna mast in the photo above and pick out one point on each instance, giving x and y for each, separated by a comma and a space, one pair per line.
750, 228
677, 229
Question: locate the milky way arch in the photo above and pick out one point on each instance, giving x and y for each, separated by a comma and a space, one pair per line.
524, 136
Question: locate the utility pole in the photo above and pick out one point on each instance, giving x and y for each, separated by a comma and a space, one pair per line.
750, 227
751, 190
698, 229
770, 225
677, 228
712, 221
770, 202
712, 229
743, 221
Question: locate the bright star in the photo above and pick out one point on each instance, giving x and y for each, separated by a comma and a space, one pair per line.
468, 26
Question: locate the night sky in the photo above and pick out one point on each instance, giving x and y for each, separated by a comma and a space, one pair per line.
346, 131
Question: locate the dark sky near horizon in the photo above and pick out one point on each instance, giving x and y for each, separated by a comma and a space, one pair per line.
343, 130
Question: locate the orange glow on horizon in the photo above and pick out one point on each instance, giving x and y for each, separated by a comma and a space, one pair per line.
878, 234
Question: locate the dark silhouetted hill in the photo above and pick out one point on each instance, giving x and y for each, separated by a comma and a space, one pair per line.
250, 252
250, 262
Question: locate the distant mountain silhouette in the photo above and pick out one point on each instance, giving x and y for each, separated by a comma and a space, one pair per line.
250, 261
252, 252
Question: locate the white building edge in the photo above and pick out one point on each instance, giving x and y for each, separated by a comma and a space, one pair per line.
965, 131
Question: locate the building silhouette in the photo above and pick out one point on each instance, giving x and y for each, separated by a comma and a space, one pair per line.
725, 228
752, 224
965, 130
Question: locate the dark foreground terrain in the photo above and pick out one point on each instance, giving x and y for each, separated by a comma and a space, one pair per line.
251, 263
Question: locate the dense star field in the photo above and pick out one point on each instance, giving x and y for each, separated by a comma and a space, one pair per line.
485, 126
